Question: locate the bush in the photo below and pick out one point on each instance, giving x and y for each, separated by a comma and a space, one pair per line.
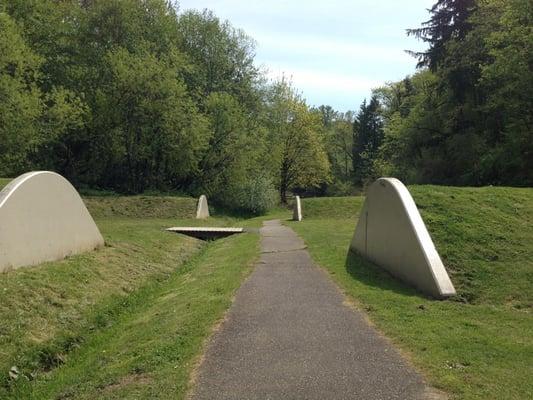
256, 195
339, 188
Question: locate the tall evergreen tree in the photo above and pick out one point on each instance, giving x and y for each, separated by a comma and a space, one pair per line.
368, 135
449, 20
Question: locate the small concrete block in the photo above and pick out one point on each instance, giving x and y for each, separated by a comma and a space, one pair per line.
205, 233
204, 229
297, 211
390, 233
43, 218
202, 210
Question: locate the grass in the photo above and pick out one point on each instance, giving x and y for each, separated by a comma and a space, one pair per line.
4, 182
129, 320
477, 345
126, 320
140, 206
110, 205
149, 349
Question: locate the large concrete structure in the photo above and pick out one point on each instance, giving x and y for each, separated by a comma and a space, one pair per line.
297, 211
202, 209
43, 218
390, 232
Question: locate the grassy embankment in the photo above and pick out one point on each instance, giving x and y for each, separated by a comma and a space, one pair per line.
127, 320
478, 345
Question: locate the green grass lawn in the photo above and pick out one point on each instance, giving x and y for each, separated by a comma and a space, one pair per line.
140, 206
127, 320
477, 345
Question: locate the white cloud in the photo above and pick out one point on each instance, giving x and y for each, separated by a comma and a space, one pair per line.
307, 79
335, 51
331, 47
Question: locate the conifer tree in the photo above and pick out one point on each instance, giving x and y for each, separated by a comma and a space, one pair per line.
449, 20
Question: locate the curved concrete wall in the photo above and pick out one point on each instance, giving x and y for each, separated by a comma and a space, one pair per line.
390, 232
297, 211
202, 209
43, 218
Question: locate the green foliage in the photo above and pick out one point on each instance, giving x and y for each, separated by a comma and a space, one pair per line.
368, 135
470, 121
256, 195
20, 103
230, 151
342, 188
509, 83
466, 120
298, 149
338, 132
222, 57
155, 126
449, 20
129, 96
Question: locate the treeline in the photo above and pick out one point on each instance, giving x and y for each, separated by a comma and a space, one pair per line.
465, 118
135, 95
130, 95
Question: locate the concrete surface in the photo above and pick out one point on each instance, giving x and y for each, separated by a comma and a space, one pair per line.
43, 218
290, 335
297, 211
202, 209
390, 232
204, 232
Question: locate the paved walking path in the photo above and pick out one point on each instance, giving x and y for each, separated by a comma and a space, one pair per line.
288, 335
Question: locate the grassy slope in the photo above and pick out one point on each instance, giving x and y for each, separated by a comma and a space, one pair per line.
478, 345
140, 206
149, 350
58, 315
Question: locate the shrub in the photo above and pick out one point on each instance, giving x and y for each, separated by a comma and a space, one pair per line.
339, 188
256, 195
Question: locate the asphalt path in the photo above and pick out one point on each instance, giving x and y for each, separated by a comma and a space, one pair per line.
290, 334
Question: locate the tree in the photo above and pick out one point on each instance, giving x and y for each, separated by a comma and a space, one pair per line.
368, 134
20, 103
221, 57
297, 149
449, 21
337, 128
507, 78
231, 144
156, 127
32, 117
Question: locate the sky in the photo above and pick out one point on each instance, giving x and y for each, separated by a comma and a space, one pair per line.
334, 51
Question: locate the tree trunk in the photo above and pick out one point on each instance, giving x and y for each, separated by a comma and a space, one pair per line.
283, 194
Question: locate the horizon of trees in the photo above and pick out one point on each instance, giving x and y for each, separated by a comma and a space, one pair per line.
466, 116
134, 95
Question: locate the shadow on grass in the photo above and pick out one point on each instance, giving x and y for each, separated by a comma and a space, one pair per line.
216, 210
372, 275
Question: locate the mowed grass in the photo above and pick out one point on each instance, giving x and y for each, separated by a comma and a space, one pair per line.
140, 206
125, 321
477, 345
